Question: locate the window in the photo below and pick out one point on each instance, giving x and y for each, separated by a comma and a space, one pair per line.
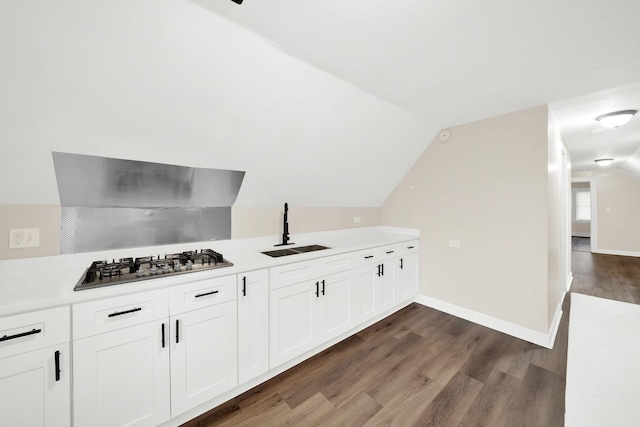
583, 205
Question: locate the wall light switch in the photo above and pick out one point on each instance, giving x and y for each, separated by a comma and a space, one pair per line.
24, 238
454, 243
356, 219
607, 209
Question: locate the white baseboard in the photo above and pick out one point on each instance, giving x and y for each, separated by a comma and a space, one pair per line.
580, 234
535, 337
614, 252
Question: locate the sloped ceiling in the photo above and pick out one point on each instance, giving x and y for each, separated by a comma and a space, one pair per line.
453, 62
166, 81
323, 103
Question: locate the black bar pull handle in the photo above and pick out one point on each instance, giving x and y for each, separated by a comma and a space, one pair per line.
382, 269
323, 287
207, 293
368, 256
20, 335
401, 264
120, 313
56, 356
379, 274
244, 286
177, 331
163, 344
317, 289
389, 252
410, 247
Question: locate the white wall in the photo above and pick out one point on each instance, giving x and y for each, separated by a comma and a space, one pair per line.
167, 81
487, 187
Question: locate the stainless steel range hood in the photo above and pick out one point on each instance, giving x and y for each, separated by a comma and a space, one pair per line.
115, 203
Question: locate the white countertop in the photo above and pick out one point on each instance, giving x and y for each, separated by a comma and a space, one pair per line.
37, 283
603, 364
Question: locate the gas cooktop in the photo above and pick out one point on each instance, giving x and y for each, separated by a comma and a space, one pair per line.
127, 270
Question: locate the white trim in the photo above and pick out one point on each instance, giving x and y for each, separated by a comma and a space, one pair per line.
614, 252
580, 234
593, 186
535, 337
555, 324
569, 282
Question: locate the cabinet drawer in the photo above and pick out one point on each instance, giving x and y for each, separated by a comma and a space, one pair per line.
285, 275
390, 251
367, 256
32, 331
335, 264
409, 247
110, 314
202, 293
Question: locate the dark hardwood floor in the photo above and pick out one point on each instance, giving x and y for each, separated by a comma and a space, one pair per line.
421, 367
582, 244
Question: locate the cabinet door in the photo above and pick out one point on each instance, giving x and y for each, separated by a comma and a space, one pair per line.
337, 305
121, 378
366, 289
388, 284
204, 353
293, 324
253, 325
32, 394
409, 276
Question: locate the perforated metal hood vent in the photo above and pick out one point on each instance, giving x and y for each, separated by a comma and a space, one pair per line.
114, 203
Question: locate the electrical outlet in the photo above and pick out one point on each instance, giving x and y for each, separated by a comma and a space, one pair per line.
454, 243
16, 239
356, 219
24, 238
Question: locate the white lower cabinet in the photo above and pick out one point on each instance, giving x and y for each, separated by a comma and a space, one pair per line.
293, 326
366, 289
337, 305
409, 276
204, 355
388, 280
376, 289
35, 370
35, 388
253, 325
121, 378
304, 315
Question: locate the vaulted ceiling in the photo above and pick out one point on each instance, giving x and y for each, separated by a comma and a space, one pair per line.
322, 102
453, 62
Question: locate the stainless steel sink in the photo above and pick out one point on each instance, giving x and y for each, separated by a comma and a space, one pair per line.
293, 251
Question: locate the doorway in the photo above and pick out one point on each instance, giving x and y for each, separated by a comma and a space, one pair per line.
584, 214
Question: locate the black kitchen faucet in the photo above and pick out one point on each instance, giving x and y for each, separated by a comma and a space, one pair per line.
285, 231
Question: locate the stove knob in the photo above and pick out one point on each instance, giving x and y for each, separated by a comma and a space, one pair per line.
153, 271
189, 265
177, 266
140, 272
165, 268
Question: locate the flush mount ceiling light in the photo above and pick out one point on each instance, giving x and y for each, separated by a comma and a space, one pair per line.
604, 162
237, 1
616, 119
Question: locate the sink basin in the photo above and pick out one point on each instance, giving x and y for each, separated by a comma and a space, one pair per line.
292, 251
280, 252
310, 248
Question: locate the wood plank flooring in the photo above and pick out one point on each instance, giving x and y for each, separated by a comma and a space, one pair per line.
582, 244
421, 367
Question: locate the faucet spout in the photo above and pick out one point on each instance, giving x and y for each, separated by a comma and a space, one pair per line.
285, 231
